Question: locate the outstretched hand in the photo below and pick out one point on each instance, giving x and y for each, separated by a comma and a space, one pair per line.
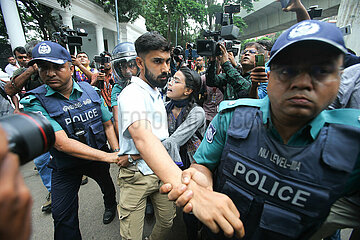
215, 210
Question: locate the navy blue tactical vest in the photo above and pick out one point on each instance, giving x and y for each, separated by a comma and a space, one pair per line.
283, 192
80, 115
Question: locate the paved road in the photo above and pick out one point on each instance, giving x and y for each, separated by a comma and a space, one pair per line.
90, 211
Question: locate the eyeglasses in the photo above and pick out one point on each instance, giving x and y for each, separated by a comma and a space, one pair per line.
198, 60
318, 73
174, 80
21, 57
250, 51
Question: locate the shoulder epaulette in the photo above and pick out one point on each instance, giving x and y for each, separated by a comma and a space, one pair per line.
229, 104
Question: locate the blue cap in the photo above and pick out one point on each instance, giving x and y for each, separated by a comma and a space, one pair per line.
309, 30
50, 52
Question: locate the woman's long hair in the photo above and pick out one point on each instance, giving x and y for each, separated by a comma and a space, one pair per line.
192, 81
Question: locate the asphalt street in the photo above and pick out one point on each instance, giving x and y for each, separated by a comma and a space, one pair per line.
90, 211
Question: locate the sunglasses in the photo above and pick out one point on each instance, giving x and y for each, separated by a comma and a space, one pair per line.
250, 51
21, 57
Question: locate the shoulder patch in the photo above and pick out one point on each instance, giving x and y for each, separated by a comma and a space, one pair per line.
210, 133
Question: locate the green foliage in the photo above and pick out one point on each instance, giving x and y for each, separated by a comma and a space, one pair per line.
129, 10
165, 16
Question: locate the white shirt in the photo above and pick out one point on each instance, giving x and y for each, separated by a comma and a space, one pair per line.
139, 101
9, 69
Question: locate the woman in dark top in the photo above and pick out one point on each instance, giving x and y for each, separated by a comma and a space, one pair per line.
186, 123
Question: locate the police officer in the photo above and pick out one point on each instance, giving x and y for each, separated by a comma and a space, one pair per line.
123, 66
81, 125
284, 160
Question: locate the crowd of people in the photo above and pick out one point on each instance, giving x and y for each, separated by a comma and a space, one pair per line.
246, 151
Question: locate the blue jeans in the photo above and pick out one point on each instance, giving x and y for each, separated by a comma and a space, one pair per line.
41, 163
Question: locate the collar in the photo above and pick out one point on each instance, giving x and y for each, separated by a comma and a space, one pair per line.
51, 91
314, 125
154, 92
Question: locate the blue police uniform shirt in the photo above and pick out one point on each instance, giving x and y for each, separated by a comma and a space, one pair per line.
211, 148
32, 104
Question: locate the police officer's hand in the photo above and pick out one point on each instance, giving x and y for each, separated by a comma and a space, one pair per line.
258, 75
112, 157
75, 61
182, 195
216, 211
15, 198
123, 161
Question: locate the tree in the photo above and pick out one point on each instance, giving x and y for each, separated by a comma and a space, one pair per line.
38, 17
171, 17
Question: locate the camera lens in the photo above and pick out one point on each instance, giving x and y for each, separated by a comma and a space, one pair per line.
29, 134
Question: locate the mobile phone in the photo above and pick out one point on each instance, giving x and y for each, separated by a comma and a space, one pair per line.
284, 3
259, 60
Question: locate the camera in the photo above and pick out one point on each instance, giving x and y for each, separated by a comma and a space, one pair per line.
100, 60
29, 134
69, 38
227, 33
178, 54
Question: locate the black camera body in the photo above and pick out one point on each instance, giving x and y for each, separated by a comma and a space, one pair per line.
69, 38
100, 60
29, 134
178, 54
228, 33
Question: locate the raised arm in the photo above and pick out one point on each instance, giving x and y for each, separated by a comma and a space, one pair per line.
215, 210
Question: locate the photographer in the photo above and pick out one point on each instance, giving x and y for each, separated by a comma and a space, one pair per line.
105, 79
15, 198
83, 71
26, 76
231, 81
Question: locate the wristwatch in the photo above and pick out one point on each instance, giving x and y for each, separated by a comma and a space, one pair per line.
130, 159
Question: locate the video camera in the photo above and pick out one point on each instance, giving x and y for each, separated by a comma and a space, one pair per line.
70, 38
228, 33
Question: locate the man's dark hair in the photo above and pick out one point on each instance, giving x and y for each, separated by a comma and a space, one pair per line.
267, 44
20, 50
82, 53
258, 46
151, 41
106, 53
10, 56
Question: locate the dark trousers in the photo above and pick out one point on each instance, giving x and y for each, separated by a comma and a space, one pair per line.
65, 186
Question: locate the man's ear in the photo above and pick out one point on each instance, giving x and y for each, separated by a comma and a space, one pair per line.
140, 62
72, 67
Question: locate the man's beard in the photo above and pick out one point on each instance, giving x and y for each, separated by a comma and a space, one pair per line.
155, 81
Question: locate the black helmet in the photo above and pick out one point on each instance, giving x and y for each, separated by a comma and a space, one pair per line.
123, 55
